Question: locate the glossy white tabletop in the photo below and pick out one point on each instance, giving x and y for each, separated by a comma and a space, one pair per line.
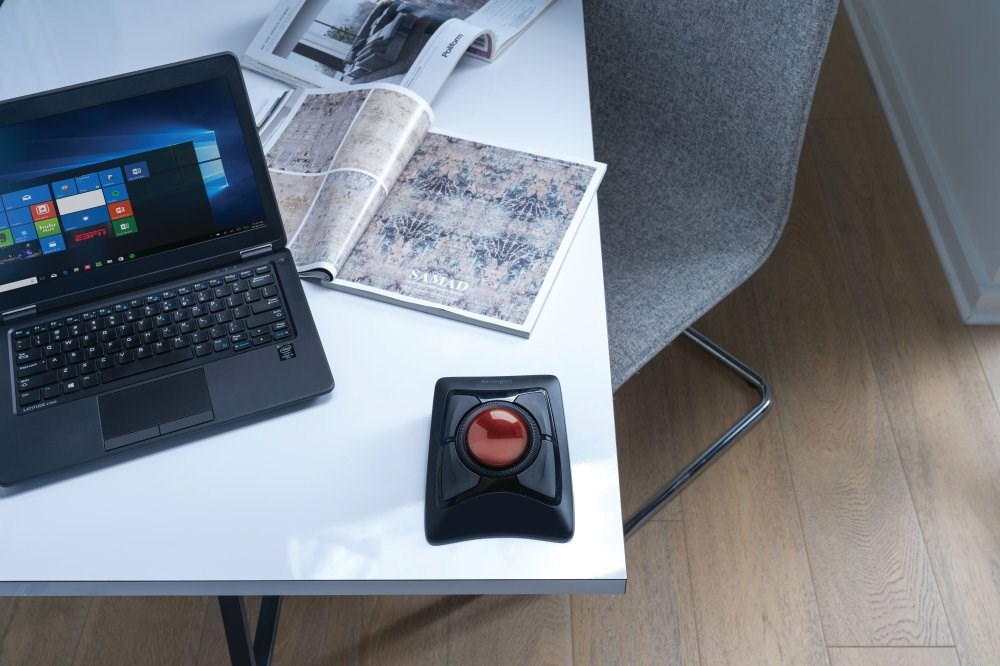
328, 499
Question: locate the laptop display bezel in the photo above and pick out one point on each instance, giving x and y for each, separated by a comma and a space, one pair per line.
197, 256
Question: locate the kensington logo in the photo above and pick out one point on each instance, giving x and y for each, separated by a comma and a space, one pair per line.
451, 47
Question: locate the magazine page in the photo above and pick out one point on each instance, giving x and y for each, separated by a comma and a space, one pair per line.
333, 162
472, 231
339, 43
506, 19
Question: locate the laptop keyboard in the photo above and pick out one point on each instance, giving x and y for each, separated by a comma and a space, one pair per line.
204, 320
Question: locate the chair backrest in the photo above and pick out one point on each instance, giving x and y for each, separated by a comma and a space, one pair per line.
699, 110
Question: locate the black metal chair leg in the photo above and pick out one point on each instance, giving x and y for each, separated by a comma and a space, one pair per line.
674, 486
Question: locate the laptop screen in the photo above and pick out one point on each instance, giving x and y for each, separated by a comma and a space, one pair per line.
94, 187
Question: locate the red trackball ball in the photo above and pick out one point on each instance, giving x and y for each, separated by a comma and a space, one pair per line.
497, 437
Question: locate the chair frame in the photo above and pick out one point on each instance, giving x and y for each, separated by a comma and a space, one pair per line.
719, 446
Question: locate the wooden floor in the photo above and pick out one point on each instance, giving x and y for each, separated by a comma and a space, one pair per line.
858, 525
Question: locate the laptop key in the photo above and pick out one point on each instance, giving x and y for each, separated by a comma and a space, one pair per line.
132, 369
261, 280
22, 343
89, 381
28, 397
31, 368
27, 356
265, 318
202, 349
265, 305
49, 392
143, 351
36, 381
71, 386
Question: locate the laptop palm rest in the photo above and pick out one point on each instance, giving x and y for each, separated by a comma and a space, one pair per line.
156, 408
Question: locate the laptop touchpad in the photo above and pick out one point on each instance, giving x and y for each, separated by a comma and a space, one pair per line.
157, 408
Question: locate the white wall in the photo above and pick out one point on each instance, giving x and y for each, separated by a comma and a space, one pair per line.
936, 65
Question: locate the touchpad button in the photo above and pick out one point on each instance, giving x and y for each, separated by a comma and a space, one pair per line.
156, 408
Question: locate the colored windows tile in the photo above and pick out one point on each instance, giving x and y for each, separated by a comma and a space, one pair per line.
76, 237
24, 233
115, 193
19, 216
3, 220
125, 226
111, 177
42, 211
27, 197
120, 210
87, 182
64, 188
47, 227
80, 202
136, 170
85, 218
6, 239
53, 244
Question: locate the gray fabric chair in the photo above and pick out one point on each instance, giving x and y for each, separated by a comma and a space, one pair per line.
699, 110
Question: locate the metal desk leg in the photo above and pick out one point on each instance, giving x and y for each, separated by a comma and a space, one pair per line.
246, 649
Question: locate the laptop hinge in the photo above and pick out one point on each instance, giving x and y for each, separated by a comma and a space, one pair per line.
19, 313
256, 251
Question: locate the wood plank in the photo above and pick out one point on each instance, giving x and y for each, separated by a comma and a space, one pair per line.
939, 402
7, 606
844, 89
872, 575
987, 342
361, 630
318, 630
141, 630
406, 630
42, 630
753, 595
647, 456
510, 630
653, 623
922, 656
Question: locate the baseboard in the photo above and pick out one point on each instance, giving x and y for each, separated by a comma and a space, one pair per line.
977, 295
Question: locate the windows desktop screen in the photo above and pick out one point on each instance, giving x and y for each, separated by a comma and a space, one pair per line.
114, 182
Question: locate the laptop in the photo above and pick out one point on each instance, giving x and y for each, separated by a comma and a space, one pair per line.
145, 289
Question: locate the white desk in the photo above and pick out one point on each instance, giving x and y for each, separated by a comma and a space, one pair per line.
328, 499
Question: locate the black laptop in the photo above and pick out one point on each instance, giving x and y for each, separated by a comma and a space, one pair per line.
145, 289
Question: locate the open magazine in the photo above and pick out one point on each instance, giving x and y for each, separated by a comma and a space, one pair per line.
376, 204
416, 43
